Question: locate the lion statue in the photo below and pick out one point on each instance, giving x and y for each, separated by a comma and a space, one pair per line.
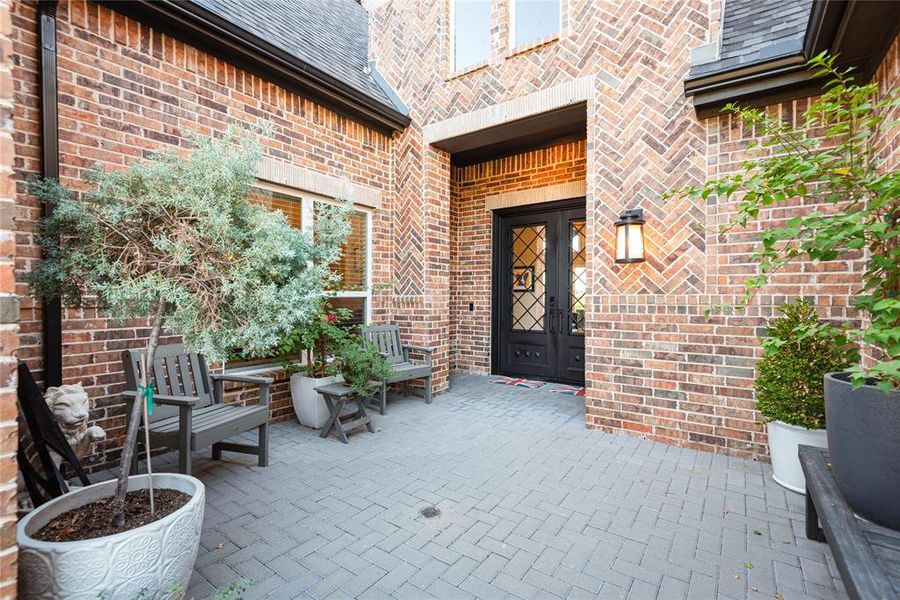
71, 408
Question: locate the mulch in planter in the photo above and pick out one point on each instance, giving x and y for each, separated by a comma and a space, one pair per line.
95, 519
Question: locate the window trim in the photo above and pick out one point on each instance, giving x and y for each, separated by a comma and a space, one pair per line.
307, 202
454, 70
515, 48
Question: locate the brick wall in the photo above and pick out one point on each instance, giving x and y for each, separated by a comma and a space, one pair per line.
124, 90
656, 365
471, 238
641, 134
9, 316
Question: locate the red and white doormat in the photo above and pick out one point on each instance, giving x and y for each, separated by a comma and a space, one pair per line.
571, 390
526, 383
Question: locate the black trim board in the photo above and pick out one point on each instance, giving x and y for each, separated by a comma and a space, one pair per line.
51, 314
496, 215
212, 34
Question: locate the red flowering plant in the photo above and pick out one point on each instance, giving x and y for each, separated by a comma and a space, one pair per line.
316, 341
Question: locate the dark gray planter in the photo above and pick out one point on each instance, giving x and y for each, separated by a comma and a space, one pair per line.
864, 447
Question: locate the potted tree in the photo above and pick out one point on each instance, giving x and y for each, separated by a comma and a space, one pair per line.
835, 157
316, 341
789, 388
175, 240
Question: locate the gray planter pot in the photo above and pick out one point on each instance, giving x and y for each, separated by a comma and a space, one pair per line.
864, 447
145, 562
309, 405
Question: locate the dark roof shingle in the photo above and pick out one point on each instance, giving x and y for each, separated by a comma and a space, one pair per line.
330, 35
755, 31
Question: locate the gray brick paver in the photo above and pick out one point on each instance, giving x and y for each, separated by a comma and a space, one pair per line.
534, 506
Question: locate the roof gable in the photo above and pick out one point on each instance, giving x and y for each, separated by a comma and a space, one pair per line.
758, 30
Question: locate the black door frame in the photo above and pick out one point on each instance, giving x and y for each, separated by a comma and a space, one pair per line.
498, 214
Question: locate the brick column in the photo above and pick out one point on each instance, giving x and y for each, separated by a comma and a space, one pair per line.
436, 198
9, 317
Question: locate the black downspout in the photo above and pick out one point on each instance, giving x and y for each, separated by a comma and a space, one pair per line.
52, 309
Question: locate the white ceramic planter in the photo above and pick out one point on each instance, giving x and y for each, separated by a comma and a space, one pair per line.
309, 405
151, 560
783, 442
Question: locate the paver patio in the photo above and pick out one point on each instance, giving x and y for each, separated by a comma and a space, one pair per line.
532, 506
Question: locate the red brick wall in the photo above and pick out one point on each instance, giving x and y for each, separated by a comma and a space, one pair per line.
125, 89
656, 365
637, 54
471, 238
9, 316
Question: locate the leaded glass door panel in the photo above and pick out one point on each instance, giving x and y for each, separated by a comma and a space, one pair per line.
539, 291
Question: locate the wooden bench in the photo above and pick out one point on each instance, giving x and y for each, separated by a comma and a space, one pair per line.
191, 413
867, 555
386, 338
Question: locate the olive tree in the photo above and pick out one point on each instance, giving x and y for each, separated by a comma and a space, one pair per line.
176, 240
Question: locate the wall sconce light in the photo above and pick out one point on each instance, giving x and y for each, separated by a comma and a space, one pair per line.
630, 236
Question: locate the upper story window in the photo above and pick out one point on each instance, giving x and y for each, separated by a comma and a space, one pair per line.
471, 21
532, 20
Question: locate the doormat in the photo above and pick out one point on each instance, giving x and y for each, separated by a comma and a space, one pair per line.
526, 383
571, 390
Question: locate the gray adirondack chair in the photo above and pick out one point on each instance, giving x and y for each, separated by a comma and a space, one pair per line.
189, 413
387, 339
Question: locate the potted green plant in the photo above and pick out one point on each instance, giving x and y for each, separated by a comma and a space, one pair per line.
841, 166
790, 388
316, 341
361, 365
175, 240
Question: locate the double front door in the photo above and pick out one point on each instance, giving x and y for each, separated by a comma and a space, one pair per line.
539, 290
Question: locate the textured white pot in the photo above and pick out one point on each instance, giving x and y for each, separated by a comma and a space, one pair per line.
783, 442
151, 560
309, 405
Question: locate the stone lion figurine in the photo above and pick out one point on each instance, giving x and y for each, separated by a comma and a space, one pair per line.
71, 408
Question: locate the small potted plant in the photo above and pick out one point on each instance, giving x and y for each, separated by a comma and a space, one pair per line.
316, 341
835, 157
174, 240
790, 388
361, 365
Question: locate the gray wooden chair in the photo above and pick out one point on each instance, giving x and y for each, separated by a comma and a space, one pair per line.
189, 413
387, 339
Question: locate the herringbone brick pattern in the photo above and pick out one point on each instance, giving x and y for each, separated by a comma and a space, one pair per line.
533, 506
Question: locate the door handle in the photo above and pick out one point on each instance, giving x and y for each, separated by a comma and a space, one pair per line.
551, 314
563, 321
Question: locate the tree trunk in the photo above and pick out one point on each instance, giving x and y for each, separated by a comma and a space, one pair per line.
134, 422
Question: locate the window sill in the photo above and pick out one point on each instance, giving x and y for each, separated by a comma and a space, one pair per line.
538, 43
469, 70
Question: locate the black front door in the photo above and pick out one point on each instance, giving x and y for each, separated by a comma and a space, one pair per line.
539, 290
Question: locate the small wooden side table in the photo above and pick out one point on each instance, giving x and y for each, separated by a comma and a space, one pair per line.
337, 395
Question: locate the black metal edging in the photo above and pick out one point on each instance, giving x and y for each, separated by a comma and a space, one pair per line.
202, 29
51, 309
